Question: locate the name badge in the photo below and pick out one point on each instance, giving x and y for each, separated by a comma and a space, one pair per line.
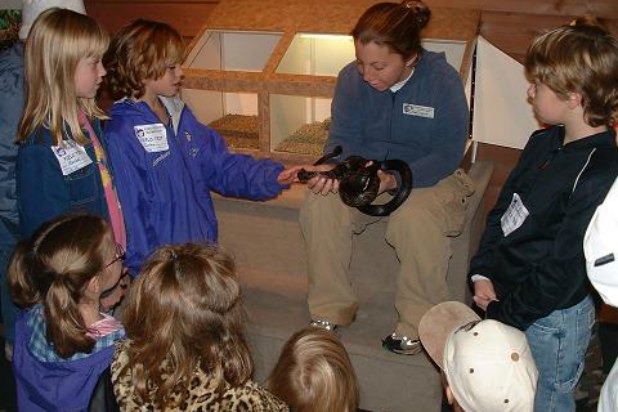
153, 137
419, 111
71, 156
515, 216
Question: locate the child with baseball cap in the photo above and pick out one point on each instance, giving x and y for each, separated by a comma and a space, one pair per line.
601, 252
486, 365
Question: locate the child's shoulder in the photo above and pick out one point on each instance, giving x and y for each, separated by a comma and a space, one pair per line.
605, 161
126, 107
40, 136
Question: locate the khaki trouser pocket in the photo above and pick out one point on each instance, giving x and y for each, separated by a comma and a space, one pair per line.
453, 195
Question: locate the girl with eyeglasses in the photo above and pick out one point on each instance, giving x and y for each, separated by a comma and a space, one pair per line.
62, 340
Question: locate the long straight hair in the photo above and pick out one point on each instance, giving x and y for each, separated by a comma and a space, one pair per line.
59, 39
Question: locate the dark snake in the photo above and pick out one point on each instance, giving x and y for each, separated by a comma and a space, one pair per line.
359, 184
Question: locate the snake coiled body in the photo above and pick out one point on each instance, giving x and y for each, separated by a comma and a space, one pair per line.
359, 182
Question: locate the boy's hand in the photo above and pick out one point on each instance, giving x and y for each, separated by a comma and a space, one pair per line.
484, 293
289, 176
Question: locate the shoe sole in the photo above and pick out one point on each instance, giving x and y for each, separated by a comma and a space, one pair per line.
405, 352
413, 351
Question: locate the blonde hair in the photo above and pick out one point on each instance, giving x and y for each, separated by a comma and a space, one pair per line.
59, 39
314, 373
53, 268
184, 312
142, 50
579, 58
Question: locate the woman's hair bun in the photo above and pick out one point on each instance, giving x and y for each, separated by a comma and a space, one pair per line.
422, 14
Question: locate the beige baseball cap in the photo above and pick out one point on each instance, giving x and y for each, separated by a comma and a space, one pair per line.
488, 365
32, 9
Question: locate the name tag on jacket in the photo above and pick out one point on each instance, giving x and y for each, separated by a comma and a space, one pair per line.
419, 111
515, 216
153, 137
71, 156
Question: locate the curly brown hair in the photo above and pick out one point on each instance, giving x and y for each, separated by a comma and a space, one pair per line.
141, 51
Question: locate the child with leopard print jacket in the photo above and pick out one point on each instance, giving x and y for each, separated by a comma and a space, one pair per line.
185, 349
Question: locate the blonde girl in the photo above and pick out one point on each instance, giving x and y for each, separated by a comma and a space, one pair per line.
186, 348
314, 373
61, 162
62, 342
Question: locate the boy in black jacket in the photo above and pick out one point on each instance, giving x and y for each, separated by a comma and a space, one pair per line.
530, 270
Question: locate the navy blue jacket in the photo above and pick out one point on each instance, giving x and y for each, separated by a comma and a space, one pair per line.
11, 106
540, 266
165, 194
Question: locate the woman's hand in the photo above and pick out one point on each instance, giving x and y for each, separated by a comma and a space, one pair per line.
321, 184
484, 293
387, 182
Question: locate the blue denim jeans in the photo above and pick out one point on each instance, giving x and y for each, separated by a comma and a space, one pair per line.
559, 343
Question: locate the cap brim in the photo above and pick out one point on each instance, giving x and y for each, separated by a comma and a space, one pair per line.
438, 323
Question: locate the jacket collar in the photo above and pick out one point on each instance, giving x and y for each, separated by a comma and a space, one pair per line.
603, 139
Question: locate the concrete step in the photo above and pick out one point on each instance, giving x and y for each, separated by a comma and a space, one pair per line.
266, 241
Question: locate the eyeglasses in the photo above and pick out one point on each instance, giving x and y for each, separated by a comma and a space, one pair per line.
122, 282
120, 255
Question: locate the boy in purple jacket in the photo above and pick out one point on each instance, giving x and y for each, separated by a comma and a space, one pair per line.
167, 162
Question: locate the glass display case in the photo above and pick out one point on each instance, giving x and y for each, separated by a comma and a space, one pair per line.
265, 79
233, 114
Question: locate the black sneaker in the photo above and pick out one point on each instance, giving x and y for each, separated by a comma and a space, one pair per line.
323, 324
402, 345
